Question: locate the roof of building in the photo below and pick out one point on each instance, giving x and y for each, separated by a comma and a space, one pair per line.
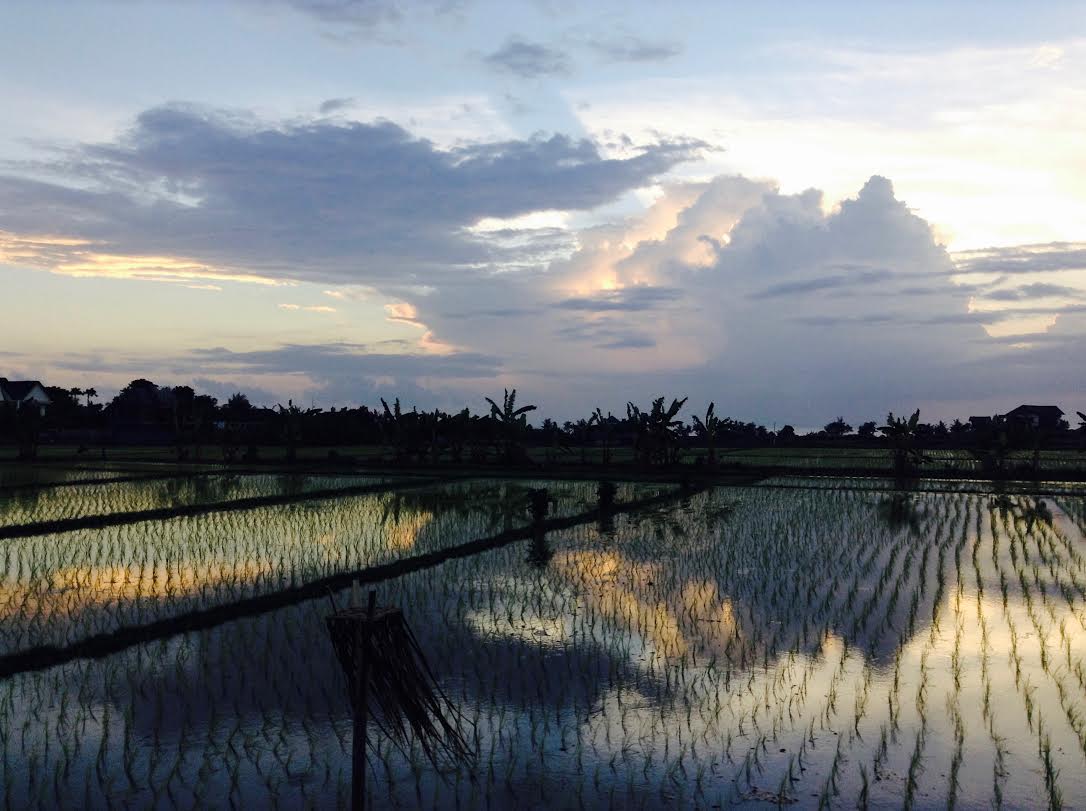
20, 389
1040, 410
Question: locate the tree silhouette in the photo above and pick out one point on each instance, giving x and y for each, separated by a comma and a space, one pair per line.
992, 448
902, 435
512, 423
28, 426
290, 426
656, 431
707, 430
606, 425
838, 428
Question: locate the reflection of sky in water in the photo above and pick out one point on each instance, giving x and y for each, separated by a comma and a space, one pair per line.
61, 587
681, 662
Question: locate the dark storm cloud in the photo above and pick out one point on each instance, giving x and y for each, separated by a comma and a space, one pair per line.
528, 60
323, 201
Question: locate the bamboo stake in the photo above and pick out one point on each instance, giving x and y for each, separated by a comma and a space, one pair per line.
361, 714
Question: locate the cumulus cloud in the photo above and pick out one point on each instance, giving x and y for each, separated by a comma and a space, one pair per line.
775, 305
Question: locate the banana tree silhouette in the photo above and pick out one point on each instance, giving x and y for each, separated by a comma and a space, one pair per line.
581, 433
411, 434
606, 425
454, 431
707, 430
902, 435
512, 423
656, 431
290, 426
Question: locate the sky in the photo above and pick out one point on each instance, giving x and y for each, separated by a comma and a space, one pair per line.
796, 210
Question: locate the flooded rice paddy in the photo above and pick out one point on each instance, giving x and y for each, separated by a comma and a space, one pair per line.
754, 646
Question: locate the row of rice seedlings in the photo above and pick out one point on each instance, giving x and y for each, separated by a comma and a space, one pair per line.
62, 588
25, 476
35, 506
1049, 688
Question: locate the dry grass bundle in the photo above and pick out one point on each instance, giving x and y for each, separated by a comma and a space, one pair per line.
397, 689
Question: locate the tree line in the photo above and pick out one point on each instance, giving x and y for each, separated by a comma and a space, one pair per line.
653, 435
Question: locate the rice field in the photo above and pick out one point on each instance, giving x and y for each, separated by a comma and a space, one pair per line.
1050, 462
32, 505
808, 646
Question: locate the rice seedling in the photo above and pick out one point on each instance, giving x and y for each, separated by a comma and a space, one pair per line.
788, 639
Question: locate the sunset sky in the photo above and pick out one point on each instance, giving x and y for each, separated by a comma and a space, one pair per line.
798, 210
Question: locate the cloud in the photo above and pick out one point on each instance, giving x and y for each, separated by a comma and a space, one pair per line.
345, 359
364, 19
778, 306
335, 105
345, 372
222, 390
308, 308
629, 299
1023, 259
1028, 292
528, 60
631, 48
403, 313
838, 282
198, 193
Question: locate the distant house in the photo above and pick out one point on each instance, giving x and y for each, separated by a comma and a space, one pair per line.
24, 393
1045, 418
